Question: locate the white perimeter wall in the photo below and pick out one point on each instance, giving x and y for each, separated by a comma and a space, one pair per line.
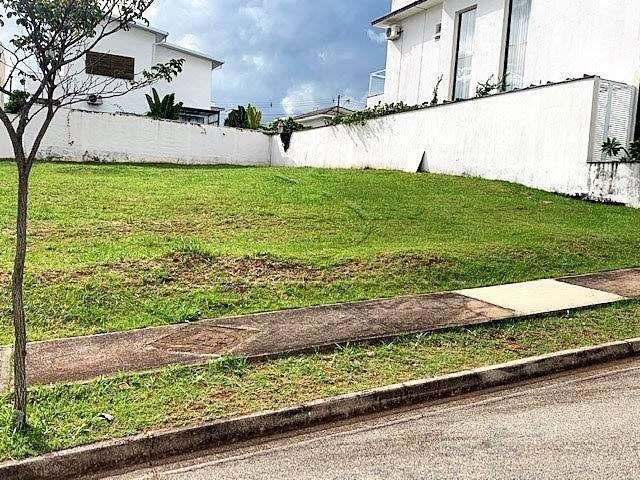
542, 138
105, 137
538, 137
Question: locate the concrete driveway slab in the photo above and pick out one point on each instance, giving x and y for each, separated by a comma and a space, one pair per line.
541, 296
625, 283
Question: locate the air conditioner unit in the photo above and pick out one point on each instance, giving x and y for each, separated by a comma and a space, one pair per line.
394, 32
94, 99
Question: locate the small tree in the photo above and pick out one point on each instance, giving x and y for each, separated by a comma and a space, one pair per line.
48, 52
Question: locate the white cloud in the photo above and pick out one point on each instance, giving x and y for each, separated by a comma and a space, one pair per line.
191, 41
377, 37
257, 61
301, 98
260, 17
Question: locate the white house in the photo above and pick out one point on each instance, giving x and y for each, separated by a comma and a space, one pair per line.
532, 42
124, 55
321, 117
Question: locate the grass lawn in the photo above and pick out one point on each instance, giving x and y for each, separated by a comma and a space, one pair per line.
66, 416
117, 247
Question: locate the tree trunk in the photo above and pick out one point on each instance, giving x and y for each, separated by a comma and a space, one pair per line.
19, 320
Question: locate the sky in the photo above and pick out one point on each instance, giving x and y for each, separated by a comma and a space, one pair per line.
286, 56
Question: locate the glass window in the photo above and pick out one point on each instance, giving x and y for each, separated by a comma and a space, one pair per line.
519, 13
464, 54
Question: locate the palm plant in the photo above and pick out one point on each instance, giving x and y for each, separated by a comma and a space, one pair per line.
254, 117
612, 148
165, 108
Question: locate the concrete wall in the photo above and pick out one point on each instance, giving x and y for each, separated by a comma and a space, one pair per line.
566, 39
105, 137
545, 138
538, 137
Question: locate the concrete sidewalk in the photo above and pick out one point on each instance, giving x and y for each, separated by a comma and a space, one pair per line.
84, 358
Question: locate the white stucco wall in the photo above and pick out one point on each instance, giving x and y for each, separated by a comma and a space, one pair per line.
193, 86
105, 137
136, 43
538, 137
566, 39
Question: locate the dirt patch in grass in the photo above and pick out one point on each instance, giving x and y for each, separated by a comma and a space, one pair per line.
237, 273
397, 262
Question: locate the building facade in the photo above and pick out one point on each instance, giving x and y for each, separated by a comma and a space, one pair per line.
123, 56
456, 45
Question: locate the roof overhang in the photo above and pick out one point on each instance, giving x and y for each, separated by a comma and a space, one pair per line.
161, 35
214, 63
397, 16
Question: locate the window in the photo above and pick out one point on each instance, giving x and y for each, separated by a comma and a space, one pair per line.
108, 65
464, 53
517, 32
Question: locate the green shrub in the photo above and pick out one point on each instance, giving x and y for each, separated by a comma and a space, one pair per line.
164, 108
17, 100
238, 118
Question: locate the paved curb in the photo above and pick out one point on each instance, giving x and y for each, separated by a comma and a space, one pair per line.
149, 447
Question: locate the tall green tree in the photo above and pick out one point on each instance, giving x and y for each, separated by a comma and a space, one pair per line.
47, 52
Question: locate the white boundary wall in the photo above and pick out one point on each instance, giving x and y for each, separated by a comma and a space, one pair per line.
547, 137
77, 135
542, 137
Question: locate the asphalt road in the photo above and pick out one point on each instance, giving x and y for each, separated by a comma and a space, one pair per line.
582, 426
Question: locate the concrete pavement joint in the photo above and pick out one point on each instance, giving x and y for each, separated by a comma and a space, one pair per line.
161, 445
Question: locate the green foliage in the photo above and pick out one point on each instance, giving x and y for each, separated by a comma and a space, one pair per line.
286, 128
362, 116
612, 148
484, 89
163, 71
17, 100
254, 116
238, 118
165, 108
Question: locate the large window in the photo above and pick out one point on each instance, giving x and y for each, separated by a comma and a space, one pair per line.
464, 53
517, 32
114, 66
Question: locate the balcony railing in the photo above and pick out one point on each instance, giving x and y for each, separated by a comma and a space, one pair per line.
376, 83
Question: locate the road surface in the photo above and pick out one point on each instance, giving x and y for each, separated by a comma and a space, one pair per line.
584, 425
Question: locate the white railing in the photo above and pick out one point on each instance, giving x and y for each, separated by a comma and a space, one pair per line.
376, 83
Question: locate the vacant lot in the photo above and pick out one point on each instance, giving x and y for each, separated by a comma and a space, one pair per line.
121, 247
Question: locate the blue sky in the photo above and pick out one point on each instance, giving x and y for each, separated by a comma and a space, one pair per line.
287, 56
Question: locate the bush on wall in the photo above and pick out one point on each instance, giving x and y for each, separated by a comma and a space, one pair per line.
286, 128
